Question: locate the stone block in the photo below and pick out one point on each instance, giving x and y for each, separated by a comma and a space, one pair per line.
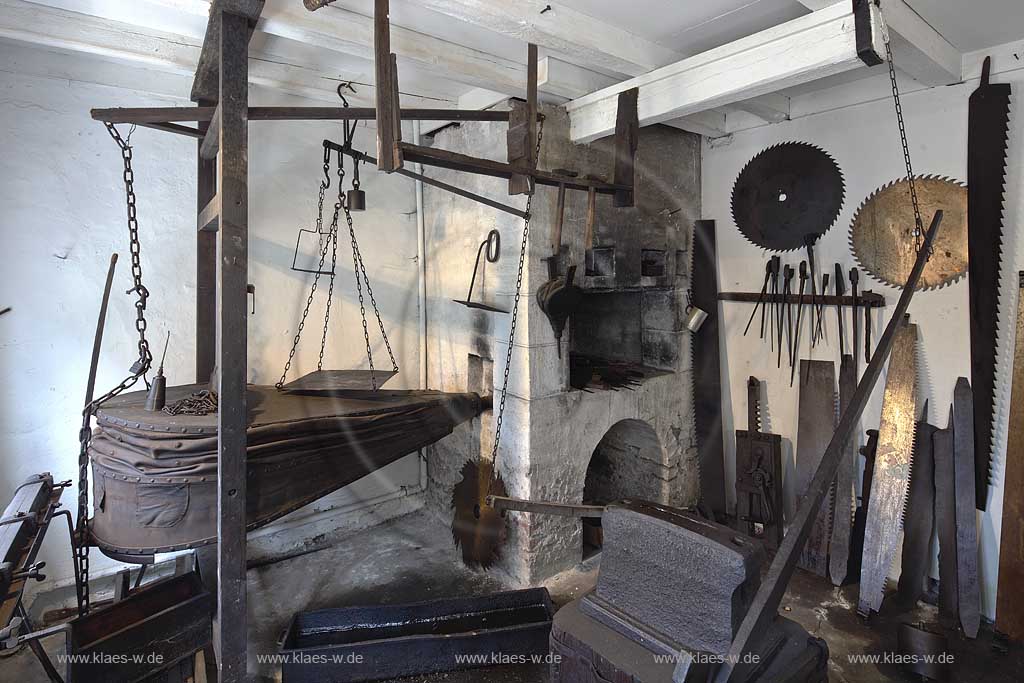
688, 579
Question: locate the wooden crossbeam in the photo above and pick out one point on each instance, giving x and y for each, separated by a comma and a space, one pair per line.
441, 158
144, 115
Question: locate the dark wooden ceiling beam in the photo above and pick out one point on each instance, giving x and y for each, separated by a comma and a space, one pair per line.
141, 115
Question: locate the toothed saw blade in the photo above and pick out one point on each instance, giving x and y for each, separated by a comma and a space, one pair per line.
968, 595
988, 123
882, 232
892, 469
785, 193
815, 427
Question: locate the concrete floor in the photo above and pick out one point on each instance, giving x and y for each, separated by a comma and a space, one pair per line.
412, 559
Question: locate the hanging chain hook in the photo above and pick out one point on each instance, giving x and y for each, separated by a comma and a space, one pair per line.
911, 184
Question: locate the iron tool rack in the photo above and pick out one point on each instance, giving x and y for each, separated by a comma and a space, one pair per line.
222, 116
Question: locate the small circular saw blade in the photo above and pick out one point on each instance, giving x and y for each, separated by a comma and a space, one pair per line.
478, 529
882, 232
786, 192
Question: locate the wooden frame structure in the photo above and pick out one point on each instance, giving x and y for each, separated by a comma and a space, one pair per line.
222, 114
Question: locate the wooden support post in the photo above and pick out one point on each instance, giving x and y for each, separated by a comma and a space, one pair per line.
206, 268
389, 134
521, 138
627, 132
232, 267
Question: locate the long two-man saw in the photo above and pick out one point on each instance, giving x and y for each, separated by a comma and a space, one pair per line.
892, 470
987, 125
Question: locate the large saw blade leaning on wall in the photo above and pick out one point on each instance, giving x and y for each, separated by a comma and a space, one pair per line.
815, 426
785, 193
1009, 606
846, 478
707, 378
968, 596
892, 470
945, 522
882, 232
919, 517
988, 122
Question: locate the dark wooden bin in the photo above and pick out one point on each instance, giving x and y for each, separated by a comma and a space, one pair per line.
351, 644
149, 631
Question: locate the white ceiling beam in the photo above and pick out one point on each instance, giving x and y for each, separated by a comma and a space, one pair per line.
814, 46
561, 29
918, 50
339, 30
773, 107
577, 82
53, 28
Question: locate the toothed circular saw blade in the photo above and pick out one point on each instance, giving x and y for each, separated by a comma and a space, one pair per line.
785, 193
478, 529
882, 232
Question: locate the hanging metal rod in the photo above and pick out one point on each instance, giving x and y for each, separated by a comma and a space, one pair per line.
362, 156
144, 115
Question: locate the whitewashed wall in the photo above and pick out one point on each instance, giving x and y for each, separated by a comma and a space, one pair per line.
864, 140
62, 214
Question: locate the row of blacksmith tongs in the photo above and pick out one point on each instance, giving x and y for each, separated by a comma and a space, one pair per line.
777, 314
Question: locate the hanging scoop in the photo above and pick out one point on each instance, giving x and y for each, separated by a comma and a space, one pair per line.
493, 247
558, 299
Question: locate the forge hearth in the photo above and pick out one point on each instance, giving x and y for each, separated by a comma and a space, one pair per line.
569, 433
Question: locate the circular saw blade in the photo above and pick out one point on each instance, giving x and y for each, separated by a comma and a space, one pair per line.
785, 193
882, 232
478, 529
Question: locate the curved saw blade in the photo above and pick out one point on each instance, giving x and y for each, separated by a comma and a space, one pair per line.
785, 193
882, 231
478, 529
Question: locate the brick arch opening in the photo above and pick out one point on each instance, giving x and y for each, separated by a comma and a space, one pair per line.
627, 463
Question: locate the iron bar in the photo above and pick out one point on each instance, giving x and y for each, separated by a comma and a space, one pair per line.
427, 180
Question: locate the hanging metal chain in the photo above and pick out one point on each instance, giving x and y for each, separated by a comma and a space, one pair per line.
918, 222
138, 371
500, 414
334, 259
361, 279
145, 357
324, 246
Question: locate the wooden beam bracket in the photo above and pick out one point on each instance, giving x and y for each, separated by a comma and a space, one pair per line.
389, 126
211, 141
521, 138
864, 27
627, 137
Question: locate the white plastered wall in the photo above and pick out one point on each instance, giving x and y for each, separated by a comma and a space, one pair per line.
856, 124
62, 214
